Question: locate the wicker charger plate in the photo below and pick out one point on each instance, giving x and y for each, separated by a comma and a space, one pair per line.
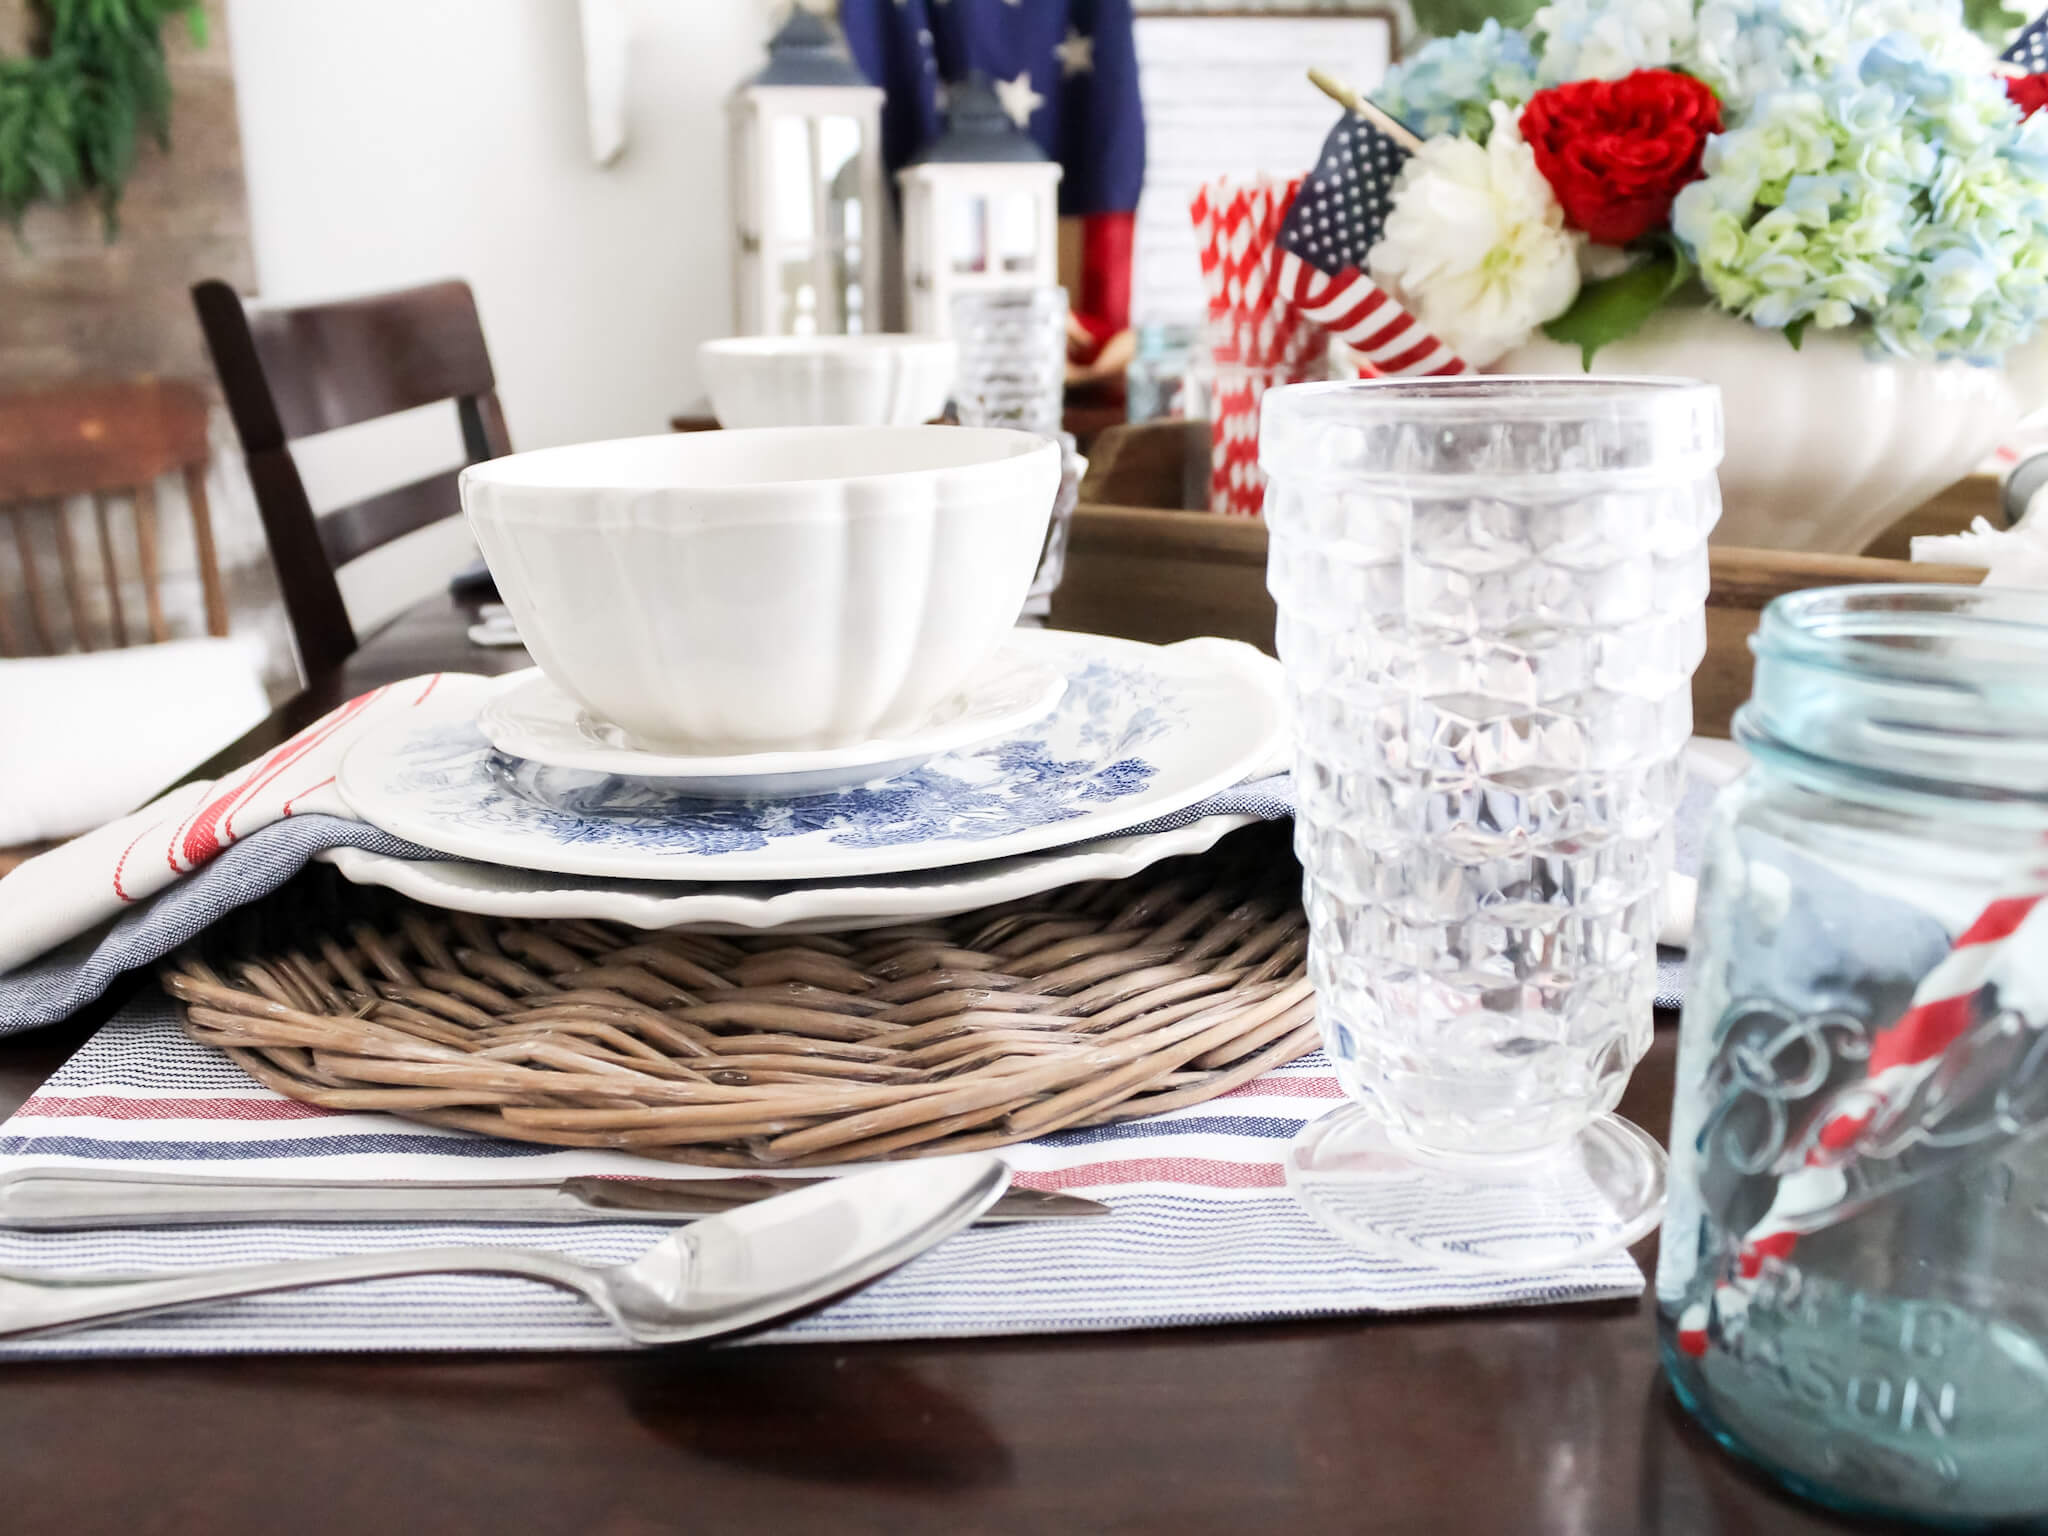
1095, 1003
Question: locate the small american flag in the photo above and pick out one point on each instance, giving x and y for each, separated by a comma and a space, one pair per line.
1333, 225
2030, 49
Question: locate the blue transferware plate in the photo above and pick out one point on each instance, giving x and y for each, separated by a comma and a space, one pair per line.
1141, 732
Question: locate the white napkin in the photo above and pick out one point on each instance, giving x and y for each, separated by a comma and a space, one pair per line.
83, 738
2011, 557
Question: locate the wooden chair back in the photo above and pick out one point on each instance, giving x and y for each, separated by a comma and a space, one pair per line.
291, 373
111, 441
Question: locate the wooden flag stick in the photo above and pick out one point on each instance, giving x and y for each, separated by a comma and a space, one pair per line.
1349, 99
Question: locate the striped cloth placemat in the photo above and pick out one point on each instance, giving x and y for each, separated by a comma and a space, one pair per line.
1203, 1229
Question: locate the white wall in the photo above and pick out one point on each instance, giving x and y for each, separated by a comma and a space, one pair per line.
393, 141
390, 142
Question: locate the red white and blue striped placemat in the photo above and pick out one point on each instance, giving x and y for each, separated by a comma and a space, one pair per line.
1203, 1229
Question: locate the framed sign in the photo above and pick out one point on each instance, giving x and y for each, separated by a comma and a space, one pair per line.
1227, 93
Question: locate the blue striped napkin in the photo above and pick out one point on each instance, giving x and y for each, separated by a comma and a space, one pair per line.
1203, 1229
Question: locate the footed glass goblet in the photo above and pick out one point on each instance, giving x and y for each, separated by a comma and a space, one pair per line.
1491, 599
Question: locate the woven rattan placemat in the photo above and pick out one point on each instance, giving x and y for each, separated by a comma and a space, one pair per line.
1095, 1003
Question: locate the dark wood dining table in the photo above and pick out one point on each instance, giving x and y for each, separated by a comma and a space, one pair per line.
1527, 1420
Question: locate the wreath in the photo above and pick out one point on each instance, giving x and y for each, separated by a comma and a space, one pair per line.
71, 112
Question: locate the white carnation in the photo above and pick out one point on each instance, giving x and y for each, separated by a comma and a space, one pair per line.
1475, 245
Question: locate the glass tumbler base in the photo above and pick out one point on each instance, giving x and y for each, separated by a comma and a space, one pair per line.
1594, 1194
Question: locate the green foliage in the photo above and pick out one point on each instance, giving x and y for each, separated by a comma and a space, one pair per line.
1994, 20
1616, 307
72, 110
1446, 18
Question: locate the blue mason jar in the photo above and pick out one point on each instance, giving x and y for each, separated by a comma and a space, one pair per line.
1853, 1285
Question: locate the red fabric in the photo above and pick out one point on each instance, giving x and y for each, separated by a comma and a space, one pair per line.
1616, 152
1105, 306
2028, 92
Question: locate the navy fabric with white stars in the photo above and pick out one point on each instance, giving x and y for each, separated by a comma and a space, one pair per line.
2030, 49
1343, 205
1066, 71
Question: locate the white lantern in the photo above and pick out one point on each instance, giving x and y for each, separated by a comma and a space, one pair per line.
809, 214
980, 210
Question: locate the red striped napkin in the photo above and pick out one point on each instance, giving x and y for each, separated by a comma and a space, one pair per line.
74, 888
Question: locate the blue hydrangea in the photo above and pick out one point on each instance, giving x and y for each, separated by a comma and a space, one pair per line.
1606, 39
1905, 192
1785, 227
1746, 49
1449, 83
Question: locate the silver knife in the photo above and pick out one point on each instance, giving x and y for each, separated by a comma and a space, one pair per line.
65, 1199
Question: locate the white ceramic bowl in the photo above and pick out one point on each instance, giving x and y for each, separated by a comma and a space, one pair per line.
1827, 446
828, 381
778, 588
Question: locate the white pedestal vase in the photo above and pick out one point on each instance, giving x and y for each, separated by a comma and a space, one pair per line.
1828, 445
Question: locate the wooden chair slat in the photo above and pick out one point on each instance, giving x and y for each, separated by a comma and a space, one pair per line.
209, 562
145, 546
305, 576
483, 427
74, 589
352, 531
291, 373
32, 585
333, 365
10, 637
110, 572
98, 437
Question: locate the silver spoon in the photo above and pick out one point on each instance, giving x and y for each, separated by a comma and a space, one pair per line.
720, 1275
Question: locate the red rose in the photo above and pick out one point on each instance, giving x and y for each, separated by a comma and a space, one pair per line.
1617, 151
2028, 92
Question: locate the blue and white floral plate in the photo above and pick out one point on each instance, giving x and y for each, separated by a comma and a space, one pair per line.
1141, 732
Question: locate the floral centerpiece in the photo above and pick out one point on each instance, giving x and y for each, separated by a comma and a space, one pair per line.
1810, 164
1625, 174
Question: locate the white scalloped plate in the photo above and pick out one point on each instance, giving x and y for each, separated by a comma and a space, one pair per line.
491, 890
531, 717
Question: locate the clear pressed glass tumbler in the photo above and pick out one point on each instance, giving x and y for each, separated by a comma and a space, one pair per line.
1013, 358
1491, 600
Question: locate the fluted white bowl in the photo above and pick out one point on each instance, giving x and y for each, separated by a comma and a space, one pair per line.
827, 381
776, 588
1826, 446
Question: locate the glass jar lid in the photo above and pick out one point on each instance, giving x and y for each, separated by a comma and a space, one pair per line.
1942, 689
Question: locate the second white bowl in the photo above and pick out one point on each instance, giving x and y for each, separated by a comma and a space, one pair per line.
827, 381
785, 587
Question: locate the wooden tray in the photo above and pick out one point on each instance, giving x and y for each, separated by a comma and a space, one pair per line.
1140, 567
